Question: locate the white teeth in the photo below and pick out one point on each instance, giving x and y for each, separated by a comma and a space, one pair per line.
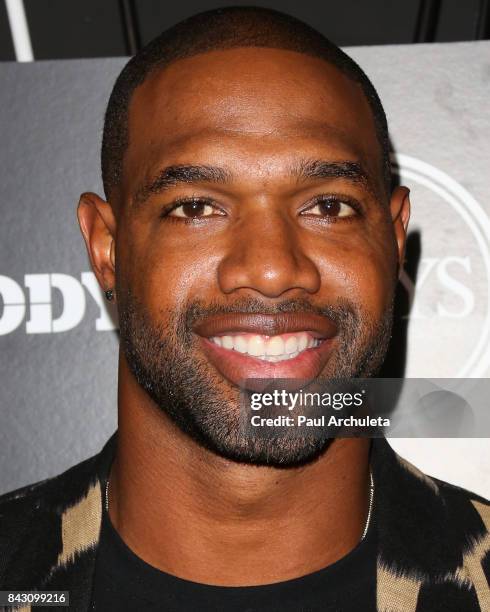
275, 346
291, 345
256, 346
303, 342
240, 344
272, 349
227, 342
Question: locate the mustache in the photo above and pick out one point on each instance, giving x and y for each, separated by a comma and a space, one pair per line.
341, 312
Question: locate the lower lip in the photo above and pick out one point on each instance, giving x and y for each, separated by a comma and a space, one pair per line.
239, 367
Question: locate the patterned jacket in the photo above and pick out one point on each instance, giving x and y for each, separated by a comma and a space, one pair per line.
433, 538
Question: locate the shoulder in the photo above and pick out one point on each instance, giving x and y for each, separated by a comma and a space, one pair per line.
481, 504
434, 539
456, 503
62, 491
414, 497
32, 520
51, 492
443, 512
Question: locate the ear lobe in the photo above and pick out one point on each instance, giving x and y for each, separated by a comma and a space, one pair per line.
400, 215
98, 226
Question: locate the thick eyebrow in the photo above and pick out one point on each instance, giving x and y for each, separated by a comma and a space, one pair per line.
306, 170
320, 169
175, 175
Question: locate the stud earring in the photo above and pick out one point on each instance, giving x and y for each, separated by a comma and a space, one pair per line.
109, 294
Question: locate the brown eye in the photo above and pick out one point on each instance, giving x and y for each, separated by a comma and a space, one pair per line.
331, 207
192, 209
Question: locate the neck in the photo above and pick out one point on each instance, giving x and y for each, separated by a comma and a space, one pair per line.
203, 518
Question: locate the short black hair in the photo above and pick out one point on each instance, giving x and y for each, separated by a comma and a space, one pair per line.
220, 29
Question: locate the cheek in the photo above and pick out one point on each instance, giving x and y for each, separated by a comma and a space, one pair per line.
166, 271
361, 271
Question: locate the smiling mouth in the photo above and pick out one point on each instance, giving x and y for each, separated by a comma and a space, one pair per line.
271, 349
245, 346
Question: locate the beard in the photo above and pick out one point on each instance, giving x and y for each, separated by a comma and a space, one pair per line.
167, 363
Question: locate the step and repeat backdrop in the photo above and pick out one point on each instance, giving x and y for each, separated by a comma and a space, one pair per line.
58, 341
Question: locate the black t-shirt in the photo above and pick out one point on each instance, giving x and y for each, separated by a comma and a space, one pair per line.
124, 582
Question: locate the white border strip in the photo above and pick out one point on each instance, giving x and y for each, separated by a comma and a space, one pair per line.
20, 30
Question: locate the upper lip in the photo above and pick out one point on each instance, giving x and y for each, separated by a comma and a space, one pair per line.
266, 324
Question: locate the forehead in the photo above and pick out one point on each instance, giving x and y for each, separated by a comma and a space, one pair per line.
250, 106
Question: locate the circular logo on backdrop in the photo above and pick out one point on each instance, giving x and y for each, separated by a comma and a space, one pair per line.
449, 294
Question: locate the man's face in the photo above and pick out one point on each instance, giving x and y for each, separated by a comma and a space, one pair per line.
254, 238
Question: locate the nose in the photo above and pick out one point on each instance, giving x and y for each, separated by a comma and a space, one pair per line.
266, 254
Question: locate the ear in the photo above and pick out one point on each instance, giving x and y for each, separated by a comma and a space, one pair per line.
98, 226
400, 214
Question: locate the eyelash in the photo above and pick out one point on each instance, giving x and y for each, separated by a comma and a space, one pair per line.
181, 202
338, 198
355, 205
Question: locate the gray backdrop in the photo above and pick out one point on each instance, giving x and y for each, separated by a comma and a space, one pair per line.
58, 344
